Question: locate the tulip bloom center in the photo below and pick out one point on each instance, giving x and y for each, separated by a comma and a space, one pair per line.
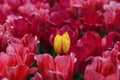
62, 43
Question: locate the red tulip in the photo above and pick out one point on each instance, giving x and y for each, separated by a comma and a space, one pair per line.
21, 31
103, 68
85, 48
12, 67
96, 4
76, 7
109, 17
60, 14
3, 18
19, 72
65, 3
25, 48
92, 19
5, 39
109, 40
30, 42
15, 4
60, 68
21, 51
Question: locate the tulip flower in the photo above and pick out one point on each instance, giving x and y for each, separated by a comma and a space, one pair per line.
30, 42
76, 7
96, 4
12, 67
92, 20
110, 39
85, 48
63, 38
21, 51
60, 68
62, 43
103, 68
86, 28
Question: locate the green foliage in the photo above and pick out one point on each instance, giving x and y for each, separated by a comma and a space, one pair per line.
78, 76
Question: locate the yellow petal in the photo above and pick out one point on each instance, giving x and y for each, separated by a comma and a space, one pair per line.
58, 44
66, 42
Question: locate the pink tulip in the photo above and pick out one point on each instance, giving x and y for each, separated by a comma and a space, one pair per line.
60, 68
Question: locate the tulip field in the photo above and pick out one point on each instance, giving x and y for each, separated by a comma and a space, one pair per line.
59, 39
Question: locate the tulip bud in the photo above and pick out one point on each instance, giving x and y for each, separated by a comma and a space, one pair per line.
62, 43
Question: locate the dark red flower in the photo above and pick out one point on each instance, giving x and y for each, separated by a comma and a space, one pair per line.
43, 17
2, 18
65, 3
92, 19
62, 15
90, 38
76, 7
96, 4
15, 4
85, 48
109, 40
117, 22
22, 27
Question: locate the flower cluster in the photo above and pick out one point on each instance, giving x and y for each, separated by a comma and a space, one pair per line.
59, 39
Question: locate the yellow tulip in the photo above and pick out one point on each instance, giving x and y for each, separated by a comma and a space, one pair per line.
62, 43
